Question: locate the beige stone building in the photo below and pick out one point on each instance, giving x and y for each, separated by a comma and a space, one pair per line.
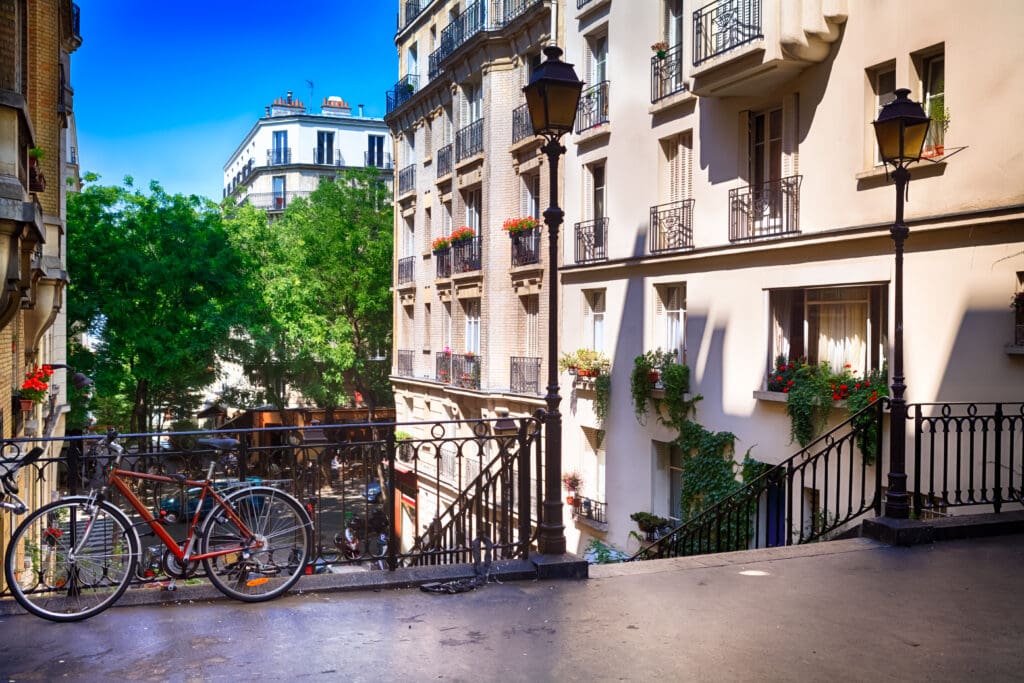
724, 200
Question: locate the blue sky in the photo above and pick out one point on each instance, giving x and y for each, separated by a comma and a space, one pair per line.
166, 91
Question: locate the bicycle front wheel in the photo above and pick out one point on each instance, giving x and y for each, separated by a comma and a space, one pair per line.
280, 528
70, 560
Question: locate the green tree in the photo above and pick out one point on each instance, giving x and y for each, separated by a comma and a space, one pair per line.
154, 280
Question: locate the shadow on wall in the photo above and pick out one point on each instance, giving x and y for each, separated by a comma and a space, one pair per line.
981, 336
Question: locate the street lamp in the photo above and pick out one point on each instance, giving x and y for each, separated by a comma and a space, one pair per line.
552, 97
901, 129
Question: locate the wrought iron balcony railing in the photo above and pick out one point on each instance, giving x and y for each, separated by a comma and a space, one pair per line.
671, 227
443, 263
412, 10
407, 179
466, 255
444, 161
766, 210
470, 22
402, 91
406, 272
588, 508
443, 367
406, 359
592, 240
580, 4
516, 8
469, 140
525, 373
667, 74
525, 247
279, 156
382, 161
522, 127
724, 25
466, 371
323, 156
593, 110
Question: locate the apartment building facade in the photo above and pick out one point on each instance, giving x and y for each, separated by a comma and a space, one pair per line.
725, 201
290, 150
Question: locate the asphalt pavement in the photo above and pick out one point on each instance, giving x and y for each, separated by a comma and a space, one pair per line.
853, 610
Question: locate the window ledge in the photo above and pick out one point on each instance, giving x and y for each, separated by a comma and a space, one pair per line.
1014, 350
586, 521
780, 397
674, 100
591, 6
660, 394
880, 172
598, 131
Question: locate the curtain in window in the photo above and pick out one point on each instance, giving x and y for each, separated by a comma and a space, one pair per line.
782, 314
839, 329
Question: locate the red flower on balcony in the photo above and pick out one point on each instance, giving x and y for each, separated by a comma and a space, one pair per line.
514, 226
461, 234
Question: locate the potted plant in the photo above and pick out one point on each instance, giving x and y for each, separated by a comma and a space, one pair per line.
440, 244
569, 362
660, 48
461, 235
648, 369
36, 179
572, 481
939, 115
515, 226
35, 388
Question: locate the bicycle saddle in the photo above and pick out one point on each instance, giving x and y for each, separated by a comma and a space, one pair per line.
224, 444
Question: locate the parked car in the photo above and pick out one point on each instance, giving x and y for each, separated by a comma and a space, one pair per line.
170, 509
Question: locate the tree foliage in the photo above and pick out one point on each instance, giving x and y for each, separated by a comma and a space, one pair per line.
154, 282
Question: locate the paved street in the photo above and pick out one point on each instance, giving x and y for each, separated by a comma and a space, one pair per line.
850, 610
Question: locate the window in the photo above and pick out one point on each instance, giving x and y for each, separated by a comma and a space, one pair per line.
838, 325
279, 147
409, 241
670, 318
278, 186
529, 196
935, 99
531, 308
675, 481
324, 147
597, 64
446, 325
412, 66
473, 201
674, 22
594, 313
446, 219
765, 147
472, 310
884, 90
472, 103
375, 151
593, 466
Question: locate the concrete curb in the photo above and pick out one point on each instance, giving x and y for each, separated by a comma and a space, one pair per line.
915, 532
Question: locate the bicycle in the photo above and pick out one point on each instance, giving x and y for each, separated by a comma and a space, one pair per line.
73, 558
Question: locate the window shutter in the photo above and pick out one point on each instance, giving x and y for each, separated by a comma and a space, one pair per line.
659, 313
588, 194
686, 171
674, 180
743, 149
790, 135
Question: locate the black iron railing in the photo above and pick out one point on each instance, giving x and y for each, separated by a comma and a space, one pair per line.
766, 210
469, 140
593, 109
580, 4
444, 161
466, 371
724, 25
443, 263
522, 127
667, 73
76, 21
443, 367
407, 179
525, 373
525, 247
406, 269
466, 255
279, 155
403, 90
967, 454
406, 360
412, 10
471, 21
516, 8
592, 240
273, 201
588, 508
671, 227
383, 161
327, 157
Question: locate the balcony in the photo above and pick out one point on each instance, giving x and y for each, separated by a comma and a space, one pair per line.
407, 179
323, 156
402, 91
593, 109
671, 227
466, 371
273, 201
377, 161
279, 156
444, 161
525, 247
667, 74
739, 52
469, 141
462, 28
771, 209
406, 269
522, 127
516, 8
525, 373
590, 509
411, 9
405, 359
443, 367
592, 241
466, 255
443, 263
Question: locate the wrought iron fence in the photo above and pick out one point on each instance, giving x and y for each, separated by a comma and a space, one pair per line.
444, 161
406, 362
412, 10
593, 109
592, 240
525, 247
466, 371
724, 25
466, 255
403, 90
591, 509
443, 263
667, 73
766, 210
346, 476
406, 269
522, 127
279, 156
407, 179
443, 367
469, 140
515, 8
525, 373
671, 227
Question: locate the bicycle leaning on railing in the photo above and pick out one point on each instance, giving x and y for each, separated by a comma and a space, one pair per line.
74, 557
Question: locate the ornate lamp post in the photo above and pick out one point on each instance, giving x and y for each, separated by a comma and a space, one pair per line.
552, 97
901, 129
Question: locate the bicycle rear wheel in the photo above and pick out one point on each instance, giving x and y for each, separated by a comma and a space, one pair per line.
252, 574
69, 561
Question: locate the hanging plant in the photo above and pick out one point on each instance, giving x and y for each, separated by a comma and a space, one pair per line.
602, 397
